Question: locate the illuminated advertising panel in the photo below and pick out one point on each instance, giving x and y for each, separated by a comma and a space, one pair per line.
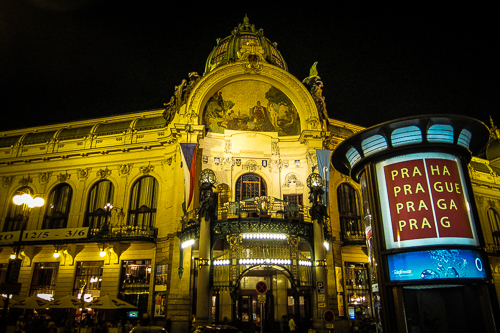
424, 201
436, 264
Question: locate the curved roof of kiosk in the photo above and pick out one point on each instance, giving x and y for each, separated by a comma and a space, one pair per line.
226, 50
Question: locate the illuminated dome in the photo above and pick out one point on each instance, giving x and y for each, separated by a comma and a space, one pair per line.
226, 50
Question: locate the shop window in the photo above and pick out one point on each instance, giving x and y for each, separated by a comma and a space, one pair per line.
250, 186
15, 216
143, 203
494, 220
357, 289
43, 283
100, 195
88, 279
350, 213
135, 277
58, 206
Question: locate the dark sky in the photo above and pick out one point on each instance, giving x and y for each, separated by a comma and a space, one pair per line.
63, 60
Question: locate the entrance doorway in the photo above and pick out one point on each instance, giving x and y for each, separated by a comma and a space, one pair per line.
252, 310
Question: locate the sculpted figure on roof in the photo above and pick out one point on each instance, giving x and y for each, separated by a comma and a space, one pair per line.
315, 85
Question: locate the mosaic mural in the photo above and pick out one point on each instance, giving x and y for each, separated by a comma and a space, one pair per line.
251, 106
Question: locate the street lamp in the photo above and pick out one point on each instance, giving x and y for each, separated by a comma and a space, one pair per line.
12, 275
27, 200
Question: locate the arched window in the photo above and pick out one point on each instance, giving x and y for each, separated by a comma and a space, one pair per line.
58, 205
15, 216
350, 213
100, 194
143, 202
494, 220
250, 186
223, 194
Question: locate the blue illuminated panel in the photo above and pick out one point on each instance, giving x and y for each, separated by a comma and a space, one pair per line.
440, 133
435, 265
406, 136
353, 156
464, 138
373, 144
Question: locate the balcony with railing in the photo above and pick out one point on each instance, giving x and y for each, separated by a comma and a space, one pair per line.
261, 214
126, 232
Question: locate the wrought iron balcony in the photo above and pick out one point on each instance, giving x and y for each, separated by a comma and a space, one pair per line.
261, 214
353, 230
126, 231
492, 249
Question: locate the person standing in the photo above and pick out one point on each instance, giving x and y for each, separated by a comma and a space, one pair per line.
292, 325
20, 324
284, 324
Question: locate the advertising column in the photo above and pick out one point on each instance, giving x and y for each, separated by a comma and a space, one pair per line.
429, 271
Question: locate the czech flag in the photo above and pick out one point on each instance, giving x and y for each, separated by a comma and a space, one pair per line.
188, 155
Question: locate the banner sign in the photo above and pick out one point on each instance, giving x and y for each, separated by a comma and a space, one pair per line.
54, 234
436, 264
424, 201
9, 237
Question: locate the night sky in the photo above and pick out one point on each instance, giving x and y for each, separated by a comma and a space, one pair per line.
71, 60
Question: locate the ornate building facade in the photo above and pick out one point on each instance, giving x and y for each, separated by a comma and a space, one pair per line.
202, 207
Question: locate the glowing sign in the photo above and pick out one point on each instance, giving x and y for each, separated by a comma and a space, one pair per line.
424, 201
436, 264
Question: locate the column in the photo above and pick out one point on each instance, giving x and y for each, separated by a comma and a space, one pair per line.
320, 289
203, 293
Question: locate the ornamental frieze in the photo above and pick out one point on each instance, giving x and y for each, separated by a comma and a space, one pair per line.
7, 180
45, 177
103, 173
25, 181
124, 169
83, 174
251, 165
62, 177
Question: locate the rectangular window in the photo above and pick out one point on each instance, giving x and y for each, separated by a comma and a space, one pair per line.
293, 199
357, 288
88, 279
43, 283
294, 207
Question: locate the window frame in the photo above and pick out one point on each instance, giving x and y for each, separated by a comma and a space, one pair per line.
59, 218
137, 213
94, 219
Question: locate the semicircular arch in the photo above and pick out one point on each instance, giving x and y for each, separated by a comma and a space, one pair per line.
282, 269
275, 77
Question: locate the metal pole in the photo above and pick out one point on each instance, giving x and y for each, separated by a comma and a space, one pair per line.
261, 318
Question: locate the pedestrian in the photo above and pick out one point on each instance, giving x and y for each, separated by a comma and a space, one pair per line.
52, 327
20, 324
145, 319
28, 325
168, 324
284, 324
291, 324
